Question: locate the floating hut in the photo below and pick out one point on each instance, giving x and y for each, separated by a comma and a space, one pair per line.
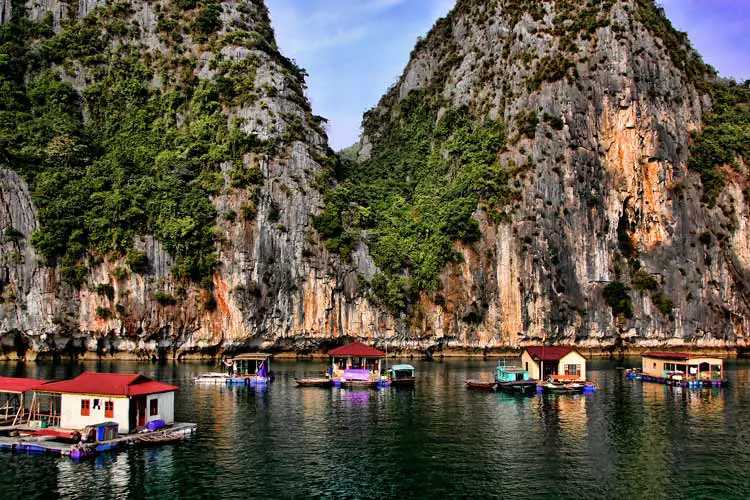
683, 369
15, 394
542, 361
90, 414
253, 368
356, 364
132, 401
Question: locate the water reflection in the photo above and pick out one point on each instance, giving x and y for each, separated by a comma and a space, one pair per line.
631, 439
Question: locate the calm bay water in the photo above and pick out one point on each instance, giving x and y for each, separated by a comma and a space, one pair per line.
629, 440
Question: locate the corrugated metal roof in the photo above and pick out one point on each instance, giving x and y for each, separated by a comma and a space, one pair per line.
108, 384
402, 367
19, 385
548, 353
668, 355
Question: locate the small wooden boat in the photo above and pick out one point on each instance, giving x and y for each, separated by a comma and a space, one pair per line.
633, 373
481, 385
514, 379
211, 378
314, 382
402, 376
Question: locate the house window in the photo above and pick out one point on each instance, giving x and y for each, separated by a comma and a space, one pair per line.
109, 409
97, 404
153, 407
85, 407
572, 370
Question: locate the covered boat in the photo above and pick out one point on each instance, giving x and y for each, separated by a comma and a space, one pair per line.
514, 379
251, 368
402, 375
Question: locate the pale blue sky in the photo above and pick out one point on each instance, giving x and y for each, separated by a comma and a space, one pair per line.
355, 49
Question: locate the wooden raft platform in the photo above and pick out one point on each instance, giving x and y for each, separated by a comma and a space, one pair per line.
48, 445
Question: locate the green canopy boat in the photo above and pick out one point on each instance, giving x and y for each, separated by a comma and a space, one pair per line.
402, 375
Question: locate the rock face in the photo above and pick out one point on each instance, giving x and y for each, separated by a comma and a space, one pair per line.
606, 168
613, 169
274, 285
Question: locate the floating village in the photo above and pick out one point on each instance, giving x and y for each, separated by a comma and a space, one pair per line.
95, 413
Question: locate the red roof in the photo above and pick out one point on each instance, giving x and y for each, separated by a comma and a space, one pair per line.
109, 384
668, 355
357, 349
544, 353
19, 385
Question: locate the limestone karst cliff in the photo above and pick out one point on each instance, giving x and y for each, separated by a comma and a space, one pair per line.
564, 131
165, 186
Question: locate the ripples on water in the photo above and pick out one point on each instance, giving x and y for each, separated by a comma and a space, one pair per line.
629, 440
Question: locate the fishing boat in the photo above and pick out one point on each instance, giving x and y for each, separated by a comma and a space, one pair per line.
481, 385
514, 379
402, 376
314, 382
212, 378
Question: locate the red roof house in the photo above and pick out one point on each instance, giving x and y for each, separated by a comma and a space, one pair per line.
109, 384
545, 353
132, 401
356, 350
544, 361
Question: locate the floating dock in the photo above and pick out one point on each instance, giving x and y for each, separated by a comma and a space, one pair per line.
50, 445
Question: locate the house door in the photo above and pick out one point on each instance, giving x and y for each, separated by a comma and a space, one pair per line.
549, 368
140, 411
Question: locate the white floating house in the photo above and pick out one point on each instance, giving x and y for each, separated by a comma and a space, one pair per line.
130, 400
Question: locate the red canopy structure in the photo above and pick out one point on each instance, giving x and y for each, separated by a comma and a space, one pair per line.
15, 385
108, 384
356, 350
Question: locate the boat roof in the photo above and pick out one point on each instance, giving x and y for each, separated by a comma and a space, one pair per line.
357, 349
548, 353
681, 356
108, 384
16, 385
253, 356
510, 368
402, 367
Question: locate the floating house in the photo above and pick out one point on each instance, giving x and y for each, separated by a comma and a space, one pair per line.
16, 399
682, 369
356, 364
253, 368
542, 361
132, 401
